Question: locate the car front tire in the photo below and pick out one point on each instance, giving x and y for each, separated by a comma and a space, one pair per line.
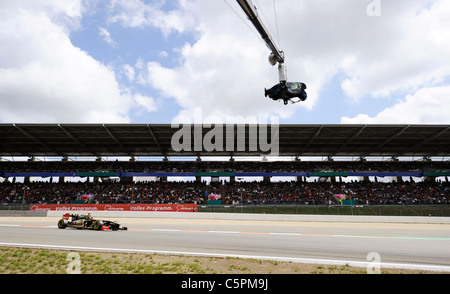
97, 225
62, 224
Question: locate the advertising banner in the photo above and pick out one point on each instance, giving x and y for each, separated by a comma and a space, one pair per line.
116, 207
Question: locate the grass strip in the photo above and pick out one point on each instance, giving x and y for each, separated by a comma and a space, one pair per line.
47, 261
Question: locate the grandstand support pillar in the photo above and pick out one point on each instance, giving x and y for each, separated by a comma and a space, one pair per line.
398, 179
299, 179
62, 180
429, 179
128, 180
26, 180
232, 179
98, 159
266, 179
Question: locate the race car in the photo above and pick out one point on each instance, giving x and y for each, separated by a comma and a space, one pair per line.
287, 91
85, 221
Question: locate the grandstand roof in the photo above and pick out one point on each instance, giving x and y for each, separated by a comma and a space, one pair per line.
155, 140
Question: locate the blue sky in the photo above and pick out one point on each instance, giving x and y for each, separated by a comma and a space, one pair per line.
141, 61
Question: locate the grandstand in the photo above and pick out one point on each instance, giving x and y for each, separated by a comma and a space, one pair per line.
155, 140
369, 164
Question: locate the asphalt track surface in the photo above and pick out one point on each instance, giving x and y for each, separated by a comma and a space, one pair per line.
418, 245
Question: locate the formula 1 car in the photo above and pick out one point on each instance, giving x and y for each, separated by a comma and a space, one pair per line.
85, 221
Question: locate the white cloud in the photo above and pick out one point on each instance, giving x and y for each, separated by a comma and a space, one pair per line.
106, 36
427, 106
163, 54
129, 72
44, 78
137, 13
409, 54
146, 102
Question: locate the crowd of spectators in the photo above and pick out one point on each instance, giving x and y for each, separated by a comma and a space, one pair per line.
221, 166
255, 193
249, 193
364, 193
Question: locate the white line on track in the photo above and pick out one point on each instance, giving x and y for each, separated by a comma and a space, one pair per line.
255, 233
353, 263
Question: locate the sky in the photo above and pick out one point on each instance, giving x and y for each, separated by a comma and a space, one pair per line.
161, 61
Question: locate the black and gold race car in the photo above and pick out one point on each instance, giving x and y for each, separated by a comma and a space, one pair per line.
87, 222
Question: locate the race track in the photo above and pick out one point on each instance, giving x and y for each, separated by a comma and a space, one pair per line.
418, 245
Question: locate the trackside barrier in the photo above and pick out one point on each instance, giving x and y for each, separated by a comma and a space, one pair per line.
116, 207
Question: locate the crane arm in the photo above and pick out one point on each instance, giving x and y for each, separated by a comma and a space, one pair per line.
283, 91
252, 14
